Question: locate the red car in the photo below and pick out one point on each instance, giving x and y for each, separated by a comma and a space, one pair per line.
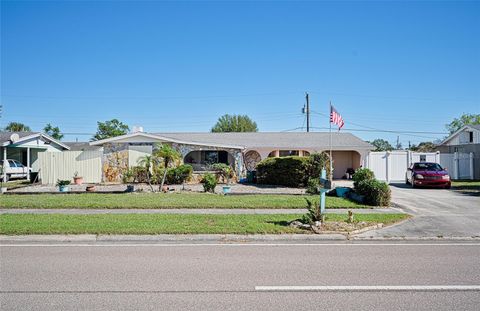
427, 174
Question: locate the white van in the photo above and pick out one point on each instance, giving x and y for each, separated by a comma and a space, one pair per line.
13, 169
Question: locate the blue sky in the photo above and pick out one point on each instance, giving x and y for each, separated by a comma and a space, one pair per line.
178, 66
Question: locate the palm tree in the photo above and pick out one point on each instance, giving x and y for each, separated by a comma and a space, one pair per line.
148, 162
17, 127
169, 156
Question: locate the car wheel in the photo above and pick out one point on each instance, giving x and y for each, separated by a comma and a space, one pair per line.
448, 186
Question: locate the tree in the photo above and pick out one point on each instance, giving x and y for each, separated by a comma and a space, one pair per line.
426, 146
234, 123
381, 145
169, 156
465, 119
109, 129
17, 127
53, 131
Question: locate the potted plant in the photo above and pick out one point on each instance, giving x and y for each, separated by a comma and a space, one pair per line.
77, 180
226, 171
63, 185
2, 188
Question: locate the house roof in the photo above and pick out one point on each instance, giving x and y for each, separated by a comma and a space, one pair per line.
81, 146
476, 127
287, 140
5, 138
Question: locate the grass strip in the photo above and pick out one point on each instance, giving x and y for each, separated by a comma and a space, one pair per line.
16, 224
170, 200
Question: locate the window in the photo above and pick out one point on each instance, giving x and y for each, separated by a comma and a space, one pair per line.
287, 153
11, 163
18, 163
471, 137
423, 158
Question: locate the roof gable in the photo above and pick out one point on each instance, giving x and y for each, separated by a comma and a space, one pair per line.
5, 138
475, 127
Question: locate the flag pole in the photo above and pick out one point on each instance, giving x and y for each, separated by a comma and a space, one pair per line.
331, 159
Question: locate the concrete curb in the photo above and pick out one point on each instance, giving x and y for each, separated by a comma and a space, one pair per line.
222, 238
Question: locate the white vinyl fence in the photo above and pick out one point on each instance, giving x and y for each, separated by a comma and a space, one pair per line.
460, 165
391, 166
63, 165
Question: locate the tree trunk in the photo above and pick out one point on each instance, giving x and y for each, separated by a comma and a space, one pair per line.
163, 179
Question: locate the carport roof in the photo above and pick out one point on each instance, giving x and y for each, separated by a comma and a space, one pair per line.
5, 138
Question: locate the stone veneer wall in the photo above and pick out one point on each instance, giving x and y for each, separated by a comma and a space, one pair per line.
115, 158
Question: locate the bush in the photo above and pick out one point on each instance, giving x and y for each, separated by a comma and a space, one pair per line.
317, 161
285, 171
314, 212
376, 192
312, 186
209, 182
179, 175
362, 174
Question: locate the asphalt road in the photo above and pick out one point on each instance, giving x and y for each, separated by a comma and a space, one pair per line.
438, 213
225, 276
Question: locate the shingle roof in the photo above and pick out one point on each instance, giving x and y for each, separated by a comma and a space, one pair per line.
81, 146
5, 136
293, 140
476, 126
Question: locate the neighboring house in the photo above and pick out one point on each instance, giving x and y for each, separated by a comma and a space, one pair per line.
25, 147
241, 150
464, 142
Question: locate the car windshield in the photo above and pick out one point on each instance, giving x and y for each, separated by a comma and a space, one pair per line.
427, 166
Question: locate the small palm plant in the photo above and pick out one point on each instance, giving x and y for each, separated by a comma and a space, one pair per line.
225, 170
169, 156
148, 162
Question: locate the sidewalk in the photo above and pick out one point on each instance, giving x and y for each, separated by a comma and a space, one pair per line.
210, 211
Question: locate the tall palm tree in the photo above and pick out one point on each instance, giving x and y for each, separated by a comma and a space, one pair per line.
148, 162
169, 156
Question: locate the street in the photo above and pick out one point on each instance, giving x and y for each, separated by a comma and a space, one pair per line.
116, 276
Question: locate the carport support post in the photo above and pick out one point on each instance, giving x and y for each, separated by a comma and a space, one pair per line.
28, 163
4, 164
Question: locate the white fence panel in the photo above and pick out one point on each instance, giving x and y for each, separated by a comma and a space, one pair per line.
391, 166
377, 162
63, 165
463, 166
447, 161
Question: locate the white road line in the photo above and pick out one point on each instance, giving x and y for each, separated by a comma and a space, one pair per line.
367, 288
173, 244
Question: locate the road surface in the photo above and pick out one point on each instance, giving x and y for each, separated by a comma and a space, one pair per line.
118, 276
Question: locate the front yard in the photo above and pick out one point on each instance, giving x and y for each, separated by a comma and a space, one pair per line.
19, 224
471, 187
170, 200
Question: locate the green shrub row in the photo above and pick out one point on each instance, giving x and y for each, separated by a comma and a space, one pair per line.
175, 176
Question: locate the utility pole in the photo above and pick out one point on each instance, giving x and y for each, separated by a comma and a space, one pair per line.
308, 112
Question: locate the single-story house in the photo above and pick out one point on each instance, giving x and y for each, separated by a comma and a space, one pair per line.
464, 142
25, 147
241, 150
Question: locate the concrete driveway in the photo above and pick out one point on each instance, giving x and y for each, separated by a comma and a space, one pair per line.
437, 213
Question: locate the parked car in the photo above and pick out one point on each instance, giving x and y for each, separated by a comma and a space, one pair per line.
427, 174
13, 169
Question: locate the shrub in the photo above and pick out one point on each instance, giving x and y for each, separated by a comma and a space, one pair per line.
179, 175
362, 174
376, 192
317, 161
225, 170
209, 182
312, 186
139, 174
285, 171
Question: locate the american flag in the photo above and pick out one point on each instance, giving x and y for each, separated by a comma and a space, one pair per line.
336, 118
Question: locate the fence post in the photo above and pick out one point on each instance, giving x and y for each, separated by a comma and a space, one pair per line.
471, 165
387, 162
455, 165
437, 157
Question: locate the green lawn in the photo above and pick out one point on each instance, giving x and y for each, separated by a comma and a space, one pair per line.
15, 224
467, 186
171, 200
16, 184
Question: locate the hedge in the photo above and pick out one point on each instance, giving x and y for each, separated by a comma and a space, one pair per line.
284, 171
376, 192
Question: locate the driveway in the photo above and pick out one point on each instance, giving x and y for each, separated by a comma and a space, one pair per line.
437, 213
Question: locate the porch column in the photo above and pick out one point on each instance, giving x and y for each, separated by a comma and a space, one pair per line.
277, 153
28, 163
4, 163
